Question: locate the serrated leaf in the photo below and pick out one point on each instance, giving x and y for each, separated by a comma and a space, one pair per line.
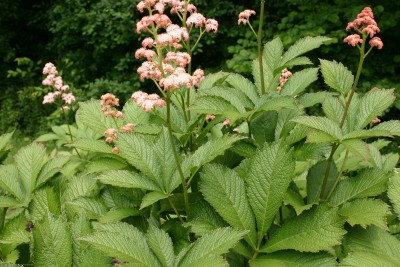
231, 95
294, 259
47, 137
225, 191
302, 46
372, 247
357, 147
284, 124
44, 201
394, 192
151, 198
127, 179
8, 201
161, 245
29, 161
10, 181
333, 109
270, 174
90, 115
213, 79
321, 124
124, 242
268, 103
294, 199
215, 105
365, 212
369, 182
5, 139
118, 215
314, 230
392, 126
365, 134
52, 243
242, 84
263, 127
295, 62
177, 118
92, 145
373, 104
299, 81
20, 236
311, 99
98, 165
315, 180
92, 208
337, 76
53, 166
311, 151
213, 244
81, 186
135, 114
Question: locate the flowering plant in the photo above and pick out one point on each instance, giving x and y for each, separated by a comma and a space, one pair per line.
215, 170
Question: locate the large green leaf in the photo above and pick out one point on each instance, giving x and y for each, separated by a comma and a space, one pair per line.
52, 242
215, 243
263, 127
91, 207
92, 145
44, 200
270, 174
237, 98
294, 259
29, 161
225, 191
334, 109
151, 198
81, 186
322, 125
5, 139
242, 84
215, 105
373, 104
135, 114
392, 126
161, 245
369, 182
10, 181
297, 83
311, 99
394, 192
53, 166
314, 230
337, 76
315, 180
127, 179
371, 247
365, 212
90, 115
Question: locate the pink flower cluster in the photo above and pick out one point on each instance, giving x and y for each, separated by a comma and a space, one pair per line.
245, 15
285, 74
179, 78
364, 23
56, 82
146, 101
108, 101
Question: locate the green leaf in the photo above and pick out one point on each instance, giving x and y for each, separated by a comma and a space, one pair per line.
124, 242
90, 115
268, 103
118, 215
263, 127
215, 105
29, 161
225, 191
333, 109
4, 140
337, 76
244, 85
357, 147
140, 154
161, 245
365, 212
368, 183
314, 230
213, 79
302, 46
92, 145
151, 198
311, 99
373, 104
135, 114
321, 124
98, 165
45, 200
52, 243
295, 62
213, 244
297, 83
8, 201
127, 179
10, 181
371, 247
315, 179
270, 174
394, 192
233, 96
81, 186
92, 208
53, 166
392, 126
294, 259
294, 199
365, 134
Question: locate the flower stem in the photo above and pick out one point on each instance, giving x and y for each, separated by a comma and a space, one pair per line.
259, 46
174, 208
70, 132
178, 164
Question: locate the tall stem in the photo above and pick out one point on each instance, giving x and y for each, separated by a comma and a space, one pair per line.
178, 164
70, 132
259, 45
346, 109
3, 212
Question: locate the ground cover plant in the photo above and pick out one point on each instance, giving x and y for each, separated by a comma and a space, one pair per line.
215, 170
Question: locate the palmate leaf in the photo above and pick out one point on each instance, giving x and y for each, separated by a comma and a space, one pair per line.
244, 85
392, 126
394, 192
215, 105
225, 191
365, 212
53, 166
127, 179
81, 186
92, 208
311, 99
90, 115
321, 124
161, 245
299, 81
215, 243
236, 97
124, 242
52, 242
314, 230
92, 145
45, 200
29, 161
369, 182
371, 247
10, 182
372, 104
337, 76
315, 179
151, 198
270, 174
135, 114
294, 259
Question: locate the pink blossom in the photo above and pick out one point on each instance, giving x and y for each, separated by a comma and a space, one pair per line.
143, 52
197, 19
149, 70
176, 80
211, 25
159, 7
109, 99
49, 98
148, 42
64, 88
65, 108
226, 122
115, 150
191, 8
244, 16
68, 98
371, 30
181, 59
285, 74
376, 41
49, 80
147, 102
127, 127
197, 77
177, 33
58, 82
353, 39
210, 117
49, 68
110, 134
376, 120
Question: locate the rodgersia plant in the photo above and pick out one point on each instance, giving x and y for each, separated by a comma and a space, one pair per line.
216, 170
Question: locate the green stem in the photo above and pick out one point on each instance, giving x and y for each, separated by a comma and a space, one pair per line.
346, 109
3, 212
178, 164
338, 176
176, 211
259, 45
70, 132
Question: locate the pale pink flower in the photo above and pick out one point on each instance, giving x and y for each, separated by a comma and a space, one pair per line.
49, 98
68, 98
209, 117
285, 74
181, 59
376, 41
176, 80
149, 70
197, 77
109, 99
376, 120
141, 6
177, 33
48, 81
64, 88
49, 68
143, 52
65, 108
353, 39
197, 19
58, 82
226, 122
148, 42
371, 30
110, 134
165, 39
159, 7
127, 127
244, 16
191, 8
211, 25
115, 150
